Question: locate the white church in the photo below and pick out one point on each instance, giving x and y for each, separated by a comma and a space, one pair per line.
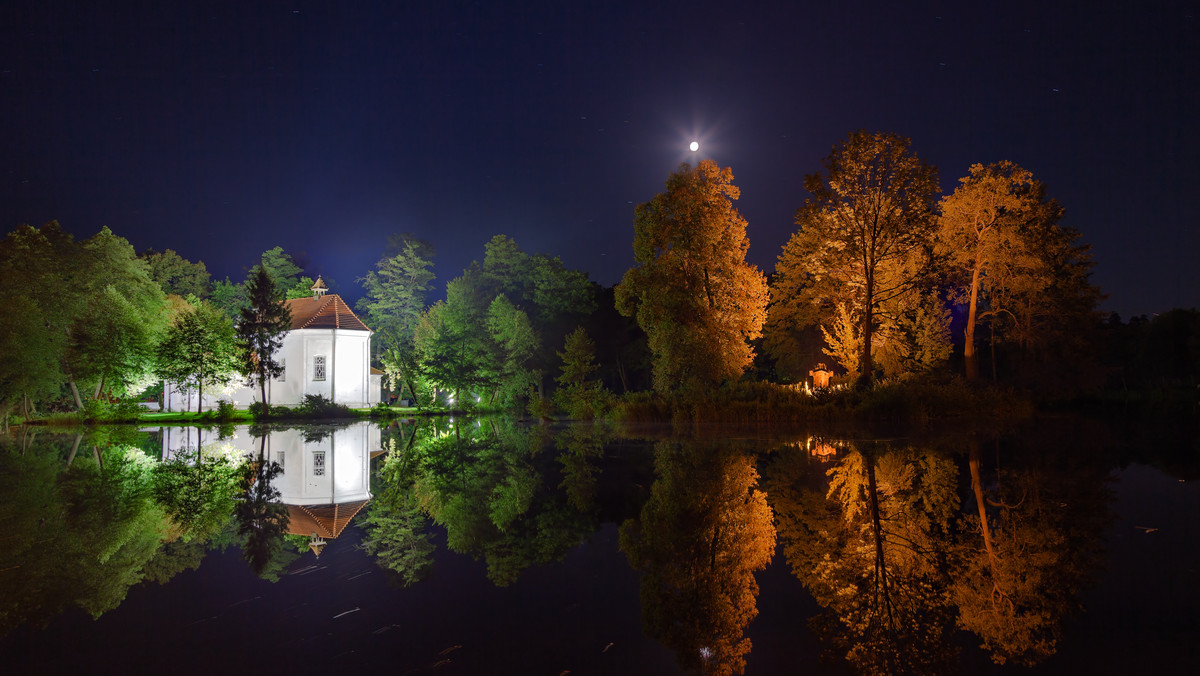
326, 352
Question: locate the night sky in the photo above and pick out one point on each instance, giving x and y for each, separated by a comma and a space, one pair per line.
223, 129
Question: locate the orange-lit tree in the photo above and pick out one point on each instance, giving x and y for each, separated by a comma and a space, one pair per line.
980, 233
692, 291
1019, 269
864, 241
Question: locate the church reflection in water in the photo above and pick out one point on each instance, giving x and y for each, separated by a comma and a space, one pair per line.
325, 471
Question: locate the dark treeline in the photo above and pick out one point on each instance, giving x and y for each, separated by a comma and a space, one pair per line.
886, 279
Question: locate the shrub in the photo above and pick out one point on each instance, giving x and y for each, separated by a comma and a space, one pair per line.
319, 406
225, 410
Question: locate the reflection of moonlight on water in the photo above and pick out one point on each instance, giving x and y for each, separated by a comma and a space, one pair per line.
695, 146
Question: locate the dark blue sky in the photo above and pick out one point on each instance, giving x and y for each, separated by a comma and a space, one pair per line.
223, 129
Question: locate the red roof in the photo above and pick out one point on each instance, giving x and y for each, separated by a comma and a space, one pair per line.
326, 312
326, 521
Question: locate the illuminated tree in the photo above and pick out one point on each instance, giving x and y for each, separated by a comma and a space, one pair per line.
863, 244
198, 350
692, 291
981, 233
177, 275
494, 321
578, 394
395, 294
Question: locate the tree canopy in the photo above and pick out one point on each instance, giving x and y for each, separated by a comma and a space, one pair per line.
864, 243
692, 291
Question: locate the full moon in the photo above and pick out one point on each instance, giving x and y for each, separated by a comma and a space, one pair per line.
695, 146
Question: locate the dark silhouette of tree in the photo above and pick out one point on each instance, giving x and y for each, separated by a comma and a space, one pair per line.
262, 521
262, 325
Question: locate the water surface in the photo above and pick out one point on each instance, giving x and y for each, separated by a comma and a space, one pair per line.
486, 547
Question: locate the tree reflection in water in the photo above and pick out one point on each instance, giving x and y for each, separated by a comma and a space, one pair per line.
486, 484
873, 552
78, 532
261, 520
701, 536
1030, 545
879, 540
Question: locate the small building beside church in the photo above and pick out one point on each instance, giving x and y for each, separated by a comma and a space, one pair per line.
326, 352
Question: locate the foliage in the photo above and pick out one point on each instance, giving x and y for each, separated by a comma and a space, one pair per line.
198, 350
1025, 554
395, 296
487, 338
485, 486
320, 406
874, 556
228, 297
699, 539
80, 534
177, 275
197, 490
89, 313
692, 292
864, 242
261, 329
579, 395
261, 520
393, 535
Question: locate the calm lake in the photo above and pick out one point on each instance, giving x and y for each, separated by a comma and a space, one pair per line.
488, 547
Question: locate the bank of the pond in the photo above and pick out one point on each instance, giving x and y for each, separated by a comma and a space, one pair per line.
240, 416
909, 401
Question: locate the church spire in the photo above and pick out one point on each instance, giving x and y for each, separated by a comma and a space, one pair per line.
318, 288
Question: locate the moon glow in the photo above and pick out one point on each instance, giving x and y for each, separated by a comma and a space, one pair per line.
695, 146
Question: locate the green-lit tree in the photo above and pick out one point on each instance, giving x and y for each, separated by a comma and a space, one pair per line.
113, 335
261, 329
578, 394
497, 346
692, 291
177, 275
395, 296
197, 490
198, 350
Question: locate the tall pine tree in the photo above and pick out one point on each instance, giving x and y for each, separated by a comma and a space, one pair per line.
261, 329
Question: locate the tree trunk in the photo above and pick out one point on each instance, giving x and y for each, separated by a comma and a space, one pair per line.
199, 397
74, 449
865, 367
877, 527
977, 487
75, 395
262, 385
970, 360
